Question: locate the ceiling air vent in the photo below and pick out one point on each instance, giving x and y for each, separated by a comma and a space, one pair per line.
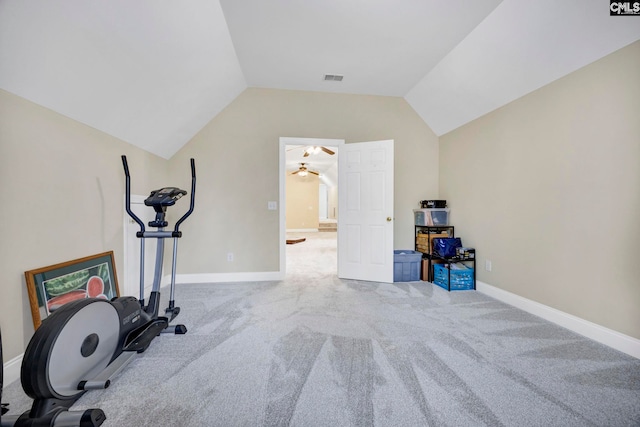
333, 77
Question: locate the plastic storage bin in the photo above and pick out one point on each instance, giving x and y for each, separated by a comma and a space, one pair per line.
431, 216
461, 277
406, 266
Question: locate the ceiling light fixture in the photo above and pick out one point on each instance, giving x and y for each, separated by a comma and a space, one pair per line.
302, 173
312, 150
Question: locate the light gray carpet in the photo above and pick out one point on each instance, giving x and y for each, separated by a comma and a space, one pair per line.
314, 350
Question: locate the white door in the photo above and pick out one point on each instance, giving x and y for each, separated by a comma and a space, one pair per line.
132, 250
365, 218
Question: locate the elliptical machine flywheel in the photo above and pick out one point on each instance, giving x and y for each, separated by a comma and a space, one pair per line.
85, 343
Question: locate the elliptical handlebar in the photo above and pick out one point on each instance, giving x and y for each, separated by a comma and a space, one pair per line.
128, 194
193, 197
176, 232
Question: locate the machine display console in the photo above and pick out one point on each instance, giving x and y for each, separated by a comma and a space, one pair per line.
164, 197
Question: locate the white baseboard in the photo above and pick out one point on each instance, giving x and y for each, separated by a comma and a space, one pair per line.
608, 337
226, 277
11, 370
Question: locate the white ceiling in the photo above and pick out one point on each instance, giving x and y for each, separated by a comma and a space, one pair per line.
325, 164
382, 47
154, 72
520, 47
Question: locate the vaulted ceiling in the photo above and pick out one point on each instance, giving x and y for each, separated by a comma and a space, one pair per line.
154, 72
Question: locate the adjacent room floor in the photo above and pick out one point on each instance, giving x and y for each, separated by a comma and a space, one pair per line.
314, 350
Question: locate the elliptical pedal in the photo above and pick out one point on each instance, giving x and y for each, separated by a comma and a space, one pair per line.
139, 339
172, 313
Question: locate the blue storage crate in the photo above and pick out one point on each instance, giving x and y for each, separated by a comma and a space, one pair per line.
406, 265
461, 280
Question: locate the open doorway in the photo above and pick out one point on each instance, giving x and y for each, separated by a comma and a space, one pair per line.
308, 199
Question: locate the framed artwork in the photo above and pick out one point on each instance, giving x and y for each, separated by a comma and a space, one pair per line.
51, 287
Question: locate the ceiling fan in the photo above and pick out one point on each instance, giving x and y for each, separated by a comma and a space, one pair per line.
303, 171
316, 149
313, 149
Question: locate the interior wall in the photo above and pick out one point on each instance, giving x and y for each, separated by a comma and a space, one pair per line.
302, 202
63, 187
333, 202
231, 213
548, 189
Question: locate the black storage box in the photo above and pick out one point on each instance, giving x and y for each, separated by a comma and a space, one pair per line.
430, 204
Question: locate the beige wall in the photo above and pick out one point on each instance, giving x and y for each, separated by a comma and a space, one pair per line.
62, 191
548, 189
238, 158
333, 202
302, 194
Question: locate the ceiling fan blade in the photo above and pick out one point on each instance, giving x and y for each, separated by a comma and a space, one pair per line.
306, 154
326, 150
315, 173
295, 147
293, 173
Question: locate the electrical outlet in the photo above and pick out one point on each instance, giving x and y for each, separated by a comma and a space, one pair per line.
230, 257
487, 265
272, 206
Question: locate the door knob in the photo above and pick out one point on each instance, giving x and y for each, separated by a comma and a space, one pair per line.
389, 218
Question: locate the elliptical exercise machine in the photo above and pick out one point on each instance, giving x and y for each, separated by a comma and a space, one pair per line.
85, 343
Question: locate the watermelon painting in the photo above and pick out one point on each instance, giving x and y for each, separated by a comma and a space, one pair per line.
95, 286
53, 286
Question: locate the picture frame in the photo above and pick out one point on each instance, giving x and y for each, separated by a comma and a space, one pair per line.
52, 286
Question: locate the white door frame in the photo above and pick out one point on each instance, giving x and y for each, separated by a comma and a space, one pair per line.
284, 141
